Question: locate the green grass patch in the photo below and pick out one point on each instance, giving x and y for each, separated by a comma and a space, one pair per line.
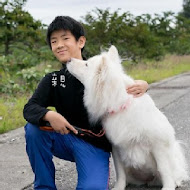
158, 70
11, 110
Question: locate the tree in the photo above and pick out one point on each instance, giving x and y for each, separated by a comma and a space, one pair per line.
22, 39
181, 43
132, 36
18, 28
186, 9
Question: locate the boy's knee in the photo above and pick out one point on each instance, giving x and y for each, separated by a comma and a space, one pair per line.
32, 131
36, 137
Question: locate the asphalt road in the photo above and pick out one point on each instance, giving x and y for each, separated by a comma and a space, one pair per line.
172, 96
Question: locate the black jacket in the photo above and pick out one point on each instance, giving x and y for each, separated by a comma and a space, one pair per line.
63, 91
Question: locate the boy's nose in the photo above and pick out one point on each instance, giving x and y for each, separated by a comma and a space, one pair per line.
60, 45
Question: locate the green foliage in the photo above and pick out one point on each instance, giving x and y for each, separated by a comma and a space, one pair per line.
26, 80
16, 26
32, 76
3, 64
181, 43
186, 9
11, 110
21, 37
23, 80
135, 37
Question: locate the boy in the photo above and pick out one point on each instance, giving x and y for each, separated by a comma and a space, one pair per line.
60, 89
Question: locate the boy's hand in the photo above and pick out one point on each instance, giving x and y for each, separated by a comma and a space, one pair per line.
138, 89
59, 123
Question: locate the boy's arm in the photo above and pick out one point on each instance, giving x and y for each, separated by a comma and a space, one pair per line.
59, 123
37, 105
36, 112
138, 89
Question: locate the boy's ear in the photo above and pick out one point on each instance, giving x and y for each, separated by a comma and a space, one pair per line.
82, 41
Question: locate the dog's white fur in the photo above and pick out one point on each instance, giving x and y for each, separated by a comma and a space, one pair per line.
145, 149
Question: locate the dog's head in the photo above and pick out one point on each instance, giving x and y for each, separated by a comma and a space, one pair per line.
95, 67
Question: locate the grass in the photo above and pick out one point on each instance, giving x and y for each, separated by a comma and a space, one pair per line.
11, 108
11, 116
156, 71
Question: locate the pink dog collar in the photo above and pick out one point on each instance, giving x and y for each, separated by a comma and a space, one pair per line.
123, 107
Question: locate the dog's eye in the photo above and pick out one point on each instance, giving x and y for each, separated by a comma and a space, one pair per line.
86, 64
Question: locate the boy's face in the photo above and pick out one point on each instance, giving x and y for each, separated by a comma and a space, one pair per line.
64, 45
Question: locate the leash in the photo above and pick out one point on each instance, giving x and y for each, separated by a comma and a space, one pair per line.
81, 132
84, 132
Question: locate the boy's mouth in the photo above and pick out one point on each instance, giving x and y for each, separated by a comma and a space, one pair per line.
62, 52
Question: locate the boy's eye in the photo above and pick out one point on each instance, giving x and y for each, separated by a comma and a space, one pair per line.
53, 42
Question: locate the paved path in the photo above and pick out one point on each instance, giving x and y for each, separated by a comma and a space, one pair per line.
172, 96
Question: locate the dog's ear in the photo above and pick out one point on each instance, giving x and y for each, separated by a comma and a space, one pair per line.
102, 66
113, 50
113, 54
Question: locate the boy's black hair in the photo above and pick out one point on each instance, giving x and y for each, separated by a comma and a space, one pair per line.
65, 23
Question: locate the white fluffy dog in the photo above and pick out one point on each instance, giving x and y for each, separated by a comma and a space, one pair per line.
145, 149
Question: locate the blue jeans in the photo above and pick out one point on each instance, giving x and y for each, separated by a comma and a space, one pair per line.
92, 163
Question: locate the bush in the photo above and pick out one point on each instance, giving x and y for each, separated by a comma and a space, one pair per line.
25, 80
32, 76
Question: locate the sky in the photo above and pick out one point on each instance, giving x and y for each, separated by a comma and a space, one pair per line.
47, 10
